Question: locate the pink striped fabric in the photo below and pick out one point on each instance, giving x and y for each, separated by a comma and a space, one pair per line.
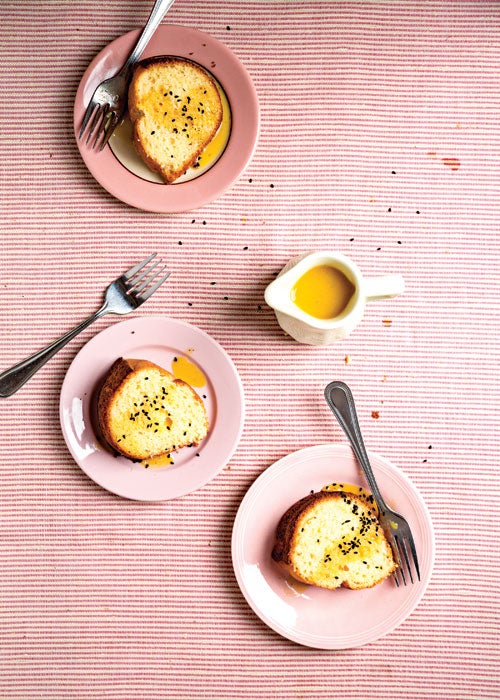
380, 139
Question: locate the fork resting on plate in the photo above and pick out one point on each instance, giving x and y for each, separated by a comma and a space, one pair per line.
109, 101
396, 529
124, 295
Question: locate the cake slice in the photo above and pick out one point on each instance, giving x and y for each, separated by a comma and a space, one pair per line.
143, 411
331, 539
175, 109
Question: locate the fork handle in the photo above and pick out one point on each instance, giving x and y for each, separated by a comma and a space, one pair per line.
11, 380
340, 399
157, 14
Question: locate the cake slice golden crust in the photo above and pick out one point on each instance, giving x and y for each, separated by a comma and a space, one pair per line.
333, 539
144, 411
176, 109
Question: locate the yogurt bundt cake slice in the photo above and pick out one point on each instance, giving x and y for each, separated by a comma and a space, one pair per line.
331, 539
176, 110
144, 411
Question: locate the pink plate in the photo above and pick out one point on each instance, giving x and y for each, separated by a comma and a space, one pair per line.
237, 86
159, 340
312, 616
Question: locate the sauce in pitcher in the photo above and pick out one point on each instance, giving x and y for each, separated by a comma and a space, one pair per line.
323, 292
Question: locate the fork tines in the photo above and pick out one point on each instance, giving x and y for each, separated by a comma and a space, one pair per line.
143, 279
103, 123
400, 550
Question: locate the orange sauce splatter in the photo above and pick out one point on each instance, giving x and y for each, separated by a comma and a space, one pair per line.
387, 322
156, 462
452, 163
184, 369
294, 586
375, 414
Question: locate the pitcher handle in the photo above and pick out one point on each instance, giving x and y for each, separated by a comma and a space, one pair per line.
384, 287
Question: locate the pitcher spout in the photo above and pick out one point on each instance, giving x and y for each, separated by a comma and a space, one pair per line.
277, 294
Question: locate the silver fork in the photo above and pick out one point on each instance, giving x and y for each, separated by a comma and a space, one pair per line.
396, 529
109, 101
122, 296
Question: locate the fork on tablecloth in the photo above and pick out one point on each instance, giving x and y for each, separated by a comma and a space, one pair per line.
122, 296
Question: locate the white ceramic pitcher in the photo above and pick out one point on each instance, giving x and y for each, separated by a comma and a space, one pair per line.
316, 331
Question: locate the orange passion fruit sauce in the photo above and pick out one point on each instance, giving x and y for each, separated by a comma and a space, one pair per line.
323, 292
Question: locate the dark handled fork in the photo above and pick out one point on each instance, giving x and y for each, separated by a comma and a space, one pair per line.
122, 296
396, 529
109, 101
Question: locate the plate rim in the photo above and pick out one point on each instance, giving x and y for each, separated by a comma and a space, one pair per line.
278, 468
123, 326
245, 127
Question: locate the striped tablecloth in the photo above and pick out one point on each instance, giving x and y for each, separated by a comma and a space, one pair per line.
380, 126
